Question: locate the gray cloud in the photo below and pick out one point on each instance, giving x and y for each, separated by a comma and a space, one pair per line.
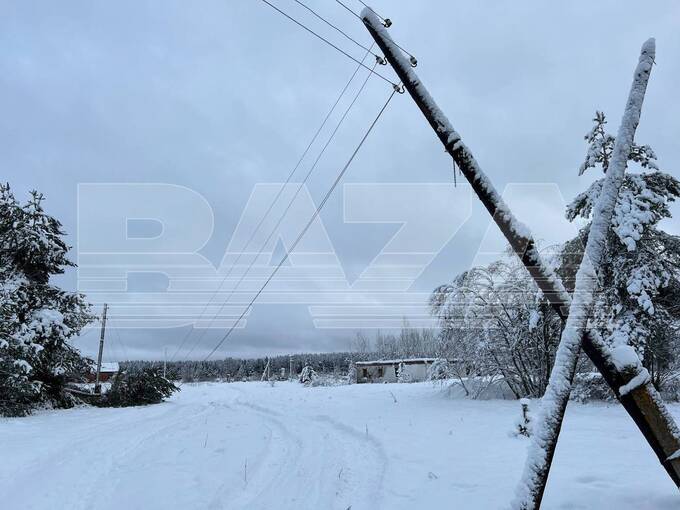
220, 96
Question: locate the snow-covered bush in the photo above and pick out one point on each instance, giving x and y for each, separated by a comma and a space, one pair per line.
308, 376
589, 386
494, 322
138, 387
524, 422
439, 370
36, 317
351, 373
403, 375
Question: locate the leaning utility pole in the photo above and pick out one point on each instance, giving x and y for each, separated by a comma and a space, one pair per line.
548, 424
642, 402
97, 384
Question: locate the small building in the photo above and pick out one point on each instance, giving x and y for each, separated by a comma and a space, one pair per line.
108, 371
393, 370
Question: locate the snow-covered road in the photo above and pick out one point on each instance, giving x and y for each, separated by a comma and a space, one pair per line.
251, 446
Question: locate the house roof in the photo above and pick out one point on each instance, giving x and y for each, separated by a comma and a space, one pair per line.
407, 361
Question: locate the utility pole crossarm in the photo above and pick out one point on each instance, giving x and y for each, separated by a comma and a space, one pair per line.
643, 403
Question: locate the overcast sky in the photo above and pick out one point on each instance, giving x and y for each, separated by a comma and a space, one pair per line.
221, 96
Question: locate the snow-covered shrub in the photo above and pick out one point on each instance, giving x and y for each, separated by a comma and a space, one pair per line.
308, 376
589, 386
351, 373
138, 387
403, 375
36, 317
494, 321
671, 387
524, 422
439, 370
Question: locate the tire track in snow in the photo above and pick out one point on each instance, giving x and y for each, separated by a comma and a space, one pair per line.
375, 463
324, 464
80, 478
104, 486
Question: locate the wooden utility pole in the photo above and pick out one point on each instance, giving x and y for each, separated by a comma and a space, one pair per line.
97, 384
643, 403
165, 362
290, 367
554, 403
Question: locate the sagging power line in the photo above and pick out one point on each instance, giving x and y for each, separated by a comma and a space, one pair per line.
305, 27
288, 206
271, 206
304, 230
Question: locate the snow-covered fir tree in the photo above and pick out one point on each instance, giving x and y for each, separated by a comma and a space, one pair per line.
639, 279
36, 317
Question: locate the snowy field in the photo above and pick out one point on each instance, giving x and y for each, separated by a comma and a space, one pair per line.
251, 446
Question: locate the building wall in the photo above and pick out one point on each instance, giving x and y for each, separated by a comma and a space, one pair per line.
388, 373
416, 372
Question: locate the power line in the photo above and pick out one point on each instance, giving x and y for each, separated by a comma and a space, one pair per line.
271, 206
329, 43
385, 21
119, 339
290, 204
349, 10
299, 2
309, 223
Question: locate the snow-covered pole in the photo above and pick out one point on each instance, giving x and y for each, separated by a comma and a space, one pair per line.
97, 383
516, 233
642, 403
549, 422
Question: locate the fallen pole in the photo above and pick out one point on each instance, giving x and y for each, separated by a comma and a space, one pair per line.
643, 403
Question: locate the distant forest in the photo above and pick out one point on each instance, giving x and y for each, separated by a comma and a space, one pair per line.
235, 369
407, 343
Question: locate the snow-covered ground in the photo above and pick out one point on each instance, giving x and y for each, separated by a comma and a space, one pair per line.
252, 446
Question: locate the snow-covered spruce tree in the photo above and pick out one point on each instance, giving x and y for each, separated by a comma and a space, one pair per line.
36, 317
640, 274
138, 387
